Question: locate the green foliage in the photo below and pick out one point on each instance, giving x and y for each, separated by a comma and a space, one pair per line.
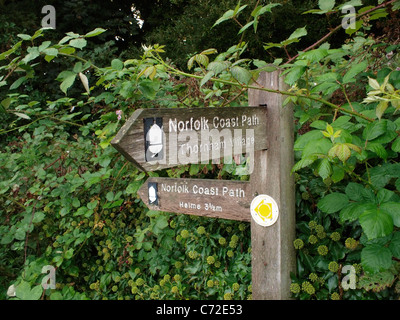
69, 200
184, 26
346, 103
350, 148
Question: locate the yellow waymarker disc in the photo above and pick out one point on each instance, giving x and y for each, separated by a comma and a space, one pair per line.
264, 210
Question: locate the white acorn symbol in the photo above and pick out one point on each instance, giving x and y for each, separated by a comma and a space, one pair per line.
152, 194
154, 137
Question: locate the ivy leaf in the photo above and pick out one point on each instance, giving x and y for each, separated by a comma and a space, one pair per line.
194, 169
375, 258
39, 216
161, 222
20, 234
22, 290
333, 202
376, 223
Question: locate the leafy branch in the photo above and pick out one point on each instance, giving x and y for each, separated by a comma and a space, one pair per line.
155, 55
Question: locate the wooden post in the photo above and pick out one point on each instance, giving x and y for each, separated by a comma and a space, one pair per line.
273, 256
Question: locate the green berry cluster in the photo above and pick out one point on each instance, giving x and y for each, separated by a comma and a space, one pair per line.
333, 266
322, 250
298, 244
335, 236
184, 234
308, 288
351, 243
201, 230
335, 296
295, 288
234, 241
210, 260
312, 239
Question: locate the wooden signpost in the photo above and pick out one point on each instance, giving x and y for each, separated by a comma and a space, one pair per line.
202, 197
155, 139
195, 135
273, 255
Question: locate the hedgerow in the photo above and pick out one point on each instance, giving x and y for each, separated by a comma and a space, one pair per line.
69, 200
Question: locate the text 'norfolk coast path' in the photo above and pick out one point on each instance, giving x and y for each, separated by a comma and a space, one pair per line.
155, 139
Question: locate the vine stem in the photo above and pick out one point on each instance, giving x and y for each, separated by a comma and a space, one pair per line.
80, 59
27, 233
287, 93
262, 88
338, 28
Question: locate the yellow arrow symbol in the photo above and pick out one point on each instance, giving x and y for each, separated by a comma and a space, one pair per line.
264, 209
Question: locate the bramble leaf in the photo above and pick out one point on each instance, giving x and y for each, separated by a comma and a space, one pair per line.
375, 258
333, 202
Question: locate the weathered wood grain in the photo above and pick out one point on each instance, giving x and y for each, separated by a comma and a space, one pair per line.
224, 199
273, 256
